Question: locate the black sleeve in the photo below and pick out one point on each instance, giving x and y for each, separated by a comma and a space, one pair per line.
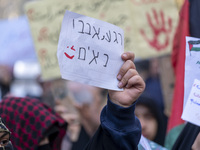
101, 141
186, 137
119, 130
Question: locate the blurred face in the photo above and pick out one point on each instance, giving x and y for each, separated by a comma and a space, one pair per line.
4, 139
148, 122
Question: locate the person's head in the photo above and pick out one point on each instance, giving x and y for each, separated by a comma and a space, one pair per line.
5, 80
148, 121
33, 124
151, 119
89, 101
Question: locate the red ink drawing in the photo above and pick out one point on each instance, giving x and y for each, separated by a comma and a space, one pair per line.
68, 56
128, 29
72, 48
102, 15
42, 55
158, 29
30, 14
43, 34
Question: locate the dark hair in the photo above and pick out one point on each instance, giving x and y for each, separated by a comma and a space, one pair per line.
157, 113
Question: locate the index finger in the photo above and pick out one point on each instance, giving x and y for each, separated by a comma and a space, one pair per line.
128, 56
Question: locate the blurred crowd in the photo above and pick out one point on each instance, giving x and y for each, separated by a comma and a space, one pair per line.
77, 104
66, 114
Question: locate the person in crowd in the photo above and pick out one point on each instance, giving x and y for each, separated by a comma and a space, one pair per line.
152, 123
47, 95
89, 101
119, 129
153, 83
153, 89
33, 124
63, 105
5, 143
149, 69
5, 80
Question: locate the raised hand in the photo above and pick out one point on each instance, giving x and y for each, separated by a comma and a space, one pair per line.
130, 81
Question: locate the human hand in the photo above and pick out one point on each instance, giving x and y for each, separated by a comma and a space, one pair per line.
90, 112
72, 118
130, 81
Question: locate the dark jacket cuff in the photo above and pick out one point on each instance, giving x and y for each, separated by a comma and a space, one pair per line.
118, 117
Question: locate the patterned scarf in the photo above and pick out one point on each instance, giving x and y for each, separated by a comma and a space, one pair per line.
30, 121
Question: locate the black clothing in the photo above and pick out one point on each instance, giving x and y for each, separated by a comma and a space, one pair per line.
186, 137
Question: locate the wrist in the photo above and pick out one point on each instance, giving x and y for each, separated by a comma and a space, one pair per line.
118, 101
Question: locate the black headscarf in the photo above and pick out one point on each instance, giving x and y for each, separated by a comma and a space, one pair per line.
156, 111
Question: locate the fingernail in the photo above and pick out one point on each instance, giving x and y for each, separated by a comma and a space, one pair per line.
120, 84
119, 77
124, 55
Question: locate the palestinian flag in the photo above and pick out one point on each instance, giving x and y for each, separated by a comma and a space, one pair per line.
194, 45
189, 25
175, 123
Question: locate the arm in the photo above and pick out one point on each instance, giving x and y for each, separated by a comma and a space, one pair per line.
120, 129
121, 125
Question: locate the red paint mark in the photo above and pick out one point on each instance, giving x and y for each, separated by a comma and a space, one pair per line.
102, 15
43, 34
128, 28
158, 28
70, 57
30, 14
43, 54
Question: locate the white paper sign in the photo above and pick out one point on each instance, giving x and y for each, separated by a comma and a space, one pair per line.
89, 51
192, 64
191, 112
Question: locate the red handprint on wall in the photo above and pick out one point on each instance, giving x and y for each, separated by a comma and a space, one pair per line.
158, 28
